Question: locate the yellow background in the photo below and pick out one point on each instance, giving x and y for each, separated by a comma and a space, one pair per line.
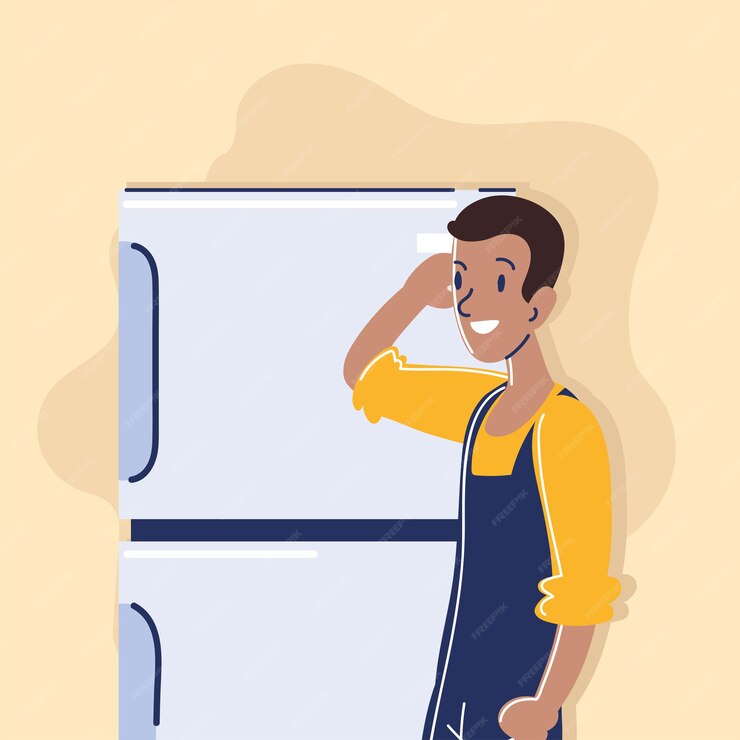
98, 94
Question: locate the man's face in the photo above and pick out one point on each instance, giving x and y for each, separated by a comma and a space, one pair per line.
492, 315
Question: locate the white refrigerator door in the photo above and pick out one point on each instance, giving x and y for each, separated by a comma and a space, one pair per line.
236, 312
281, 640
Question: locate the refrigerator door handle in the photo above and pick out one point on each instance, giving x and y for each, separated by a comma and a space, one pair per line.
139, 674
157, 659
138, 362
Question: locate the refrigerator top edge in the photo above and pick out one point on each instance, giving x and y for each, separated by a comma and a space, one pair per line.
388, 189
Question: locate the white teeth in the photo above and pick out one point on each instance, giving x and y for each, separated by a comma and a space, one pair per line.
484, 327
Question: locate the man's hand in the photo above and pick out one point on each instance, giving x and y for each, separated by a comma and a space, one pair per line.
429, 283
526, 718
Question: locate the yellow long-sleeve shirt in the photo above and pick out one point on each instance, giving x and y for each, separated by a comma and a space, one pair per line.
570, 461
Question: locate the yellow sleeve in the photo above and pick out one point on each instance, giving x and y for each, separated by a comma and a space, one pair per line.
572, 468
432, 399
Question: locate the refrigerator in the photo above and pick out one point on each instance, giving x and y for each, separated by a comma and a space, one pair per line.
290, 564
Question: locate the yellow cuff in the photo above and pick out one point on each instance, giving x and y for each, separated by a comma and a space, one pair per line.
376, 375
577, 603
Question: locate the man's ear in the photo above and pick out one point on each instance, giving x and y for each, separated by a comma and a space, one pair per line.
541, 305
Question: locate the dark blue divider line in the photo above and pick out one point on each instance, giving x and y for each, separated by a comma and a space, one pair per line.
157, 659
497, 190
294, 530
155, 363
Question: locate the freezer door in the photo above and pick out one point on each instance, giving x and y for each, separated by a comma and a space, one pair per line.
295, 640
236, 313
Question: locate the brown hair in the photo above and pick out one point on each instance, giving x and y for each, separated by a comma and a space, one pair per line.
508, 214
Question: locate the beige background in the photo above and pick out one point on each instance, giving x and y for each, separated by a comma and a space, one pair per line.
94, 98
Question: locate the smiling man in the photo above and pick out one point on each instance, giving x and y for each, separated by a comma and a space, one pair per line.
531, 577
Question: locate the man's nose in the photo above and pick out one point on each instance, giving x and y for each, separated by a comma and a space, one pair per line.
460, 303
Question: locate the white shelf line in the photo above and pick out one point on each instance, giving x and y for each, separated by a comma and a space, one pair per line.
291, 204
219, 554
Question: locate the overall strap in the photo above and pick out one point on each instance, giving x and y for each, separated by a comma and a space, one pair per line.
528, 443
476, 419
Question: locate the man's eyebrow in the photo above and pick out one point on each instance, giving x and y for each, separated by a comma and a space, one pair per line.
509, 262
462, 264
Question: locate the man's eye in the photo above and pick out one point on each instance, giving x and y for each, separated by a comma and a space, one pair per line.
458, 280
501, 283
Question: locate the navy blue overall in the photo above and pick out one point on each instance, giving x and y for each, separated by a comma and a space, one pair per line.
494, 648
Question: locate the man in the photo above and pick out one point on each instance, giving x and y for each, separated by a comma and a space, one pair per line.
535, 504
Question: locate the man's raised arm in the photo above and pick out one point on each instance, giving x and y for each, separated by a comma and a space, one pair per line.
428, 285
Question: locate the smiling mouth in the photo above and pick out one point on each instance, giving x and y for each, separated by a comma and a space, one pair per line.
484, 327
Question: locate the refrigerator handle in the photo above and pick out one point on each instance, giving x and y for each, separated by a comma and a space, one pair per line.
138, 360
157, 660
